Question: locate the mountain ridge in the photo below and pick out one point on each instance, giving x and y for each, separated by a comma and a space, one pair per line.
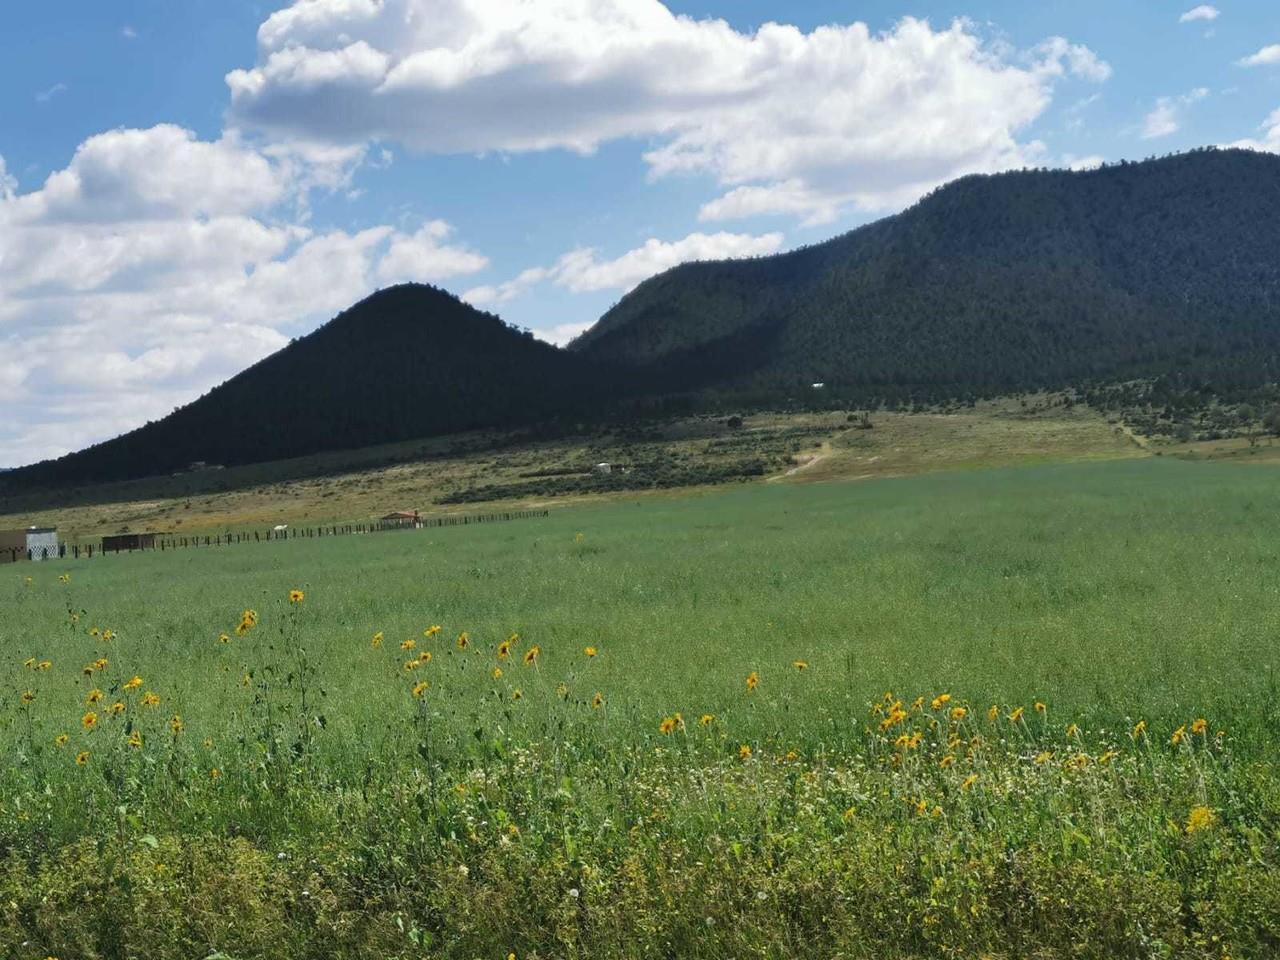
994, 283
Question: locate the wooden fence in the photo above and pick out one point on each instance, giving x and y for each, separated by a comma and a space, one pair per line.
171, 542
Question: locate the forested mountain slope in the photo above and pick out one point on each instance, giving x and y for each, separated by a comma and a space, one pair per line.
1168, 269
992, 282
409, 361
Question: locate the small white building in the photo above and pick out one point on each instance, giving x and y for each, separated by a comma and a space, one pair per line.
602, 469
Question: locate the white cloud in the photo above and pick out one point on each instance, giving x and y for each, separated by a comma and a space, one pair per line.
786, 121
1264, 57
582, 270
1166, 118
1270, 139
1092, 162
1202, 12
156, 265
128, 32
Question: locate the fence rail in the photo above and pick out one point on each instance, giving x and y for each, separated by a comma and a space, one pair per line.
163, 543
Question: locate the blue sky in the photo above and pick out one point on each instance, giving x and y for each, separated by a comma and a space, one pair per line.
184, 186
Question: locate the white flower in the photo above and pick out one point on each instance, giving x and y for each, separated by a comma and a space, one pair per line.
573, 892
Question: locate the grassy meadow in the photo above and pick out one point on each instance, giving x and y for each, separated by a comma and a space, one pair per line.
1010, 713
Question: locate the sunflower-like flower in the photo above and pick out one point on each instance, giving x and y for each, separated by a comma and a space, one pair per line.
531, 655
597, 701
1200, 818
753, 680
89, 720
464, 640
82, 758
590, 652
296, 596
420, 688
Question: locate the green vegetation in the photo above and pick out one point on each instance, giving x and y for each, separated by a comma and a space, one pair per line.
1159, 275
350, 818
992, 284
358, 486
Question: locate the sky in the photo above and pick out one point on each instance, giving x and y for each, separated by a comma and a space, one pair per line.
184, 187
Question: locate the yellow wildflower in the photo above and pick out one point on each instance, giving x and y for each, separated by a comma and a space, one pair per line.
992, 713
29, 663
432, 630
1178, 736
1200, 818
296, 596
959, 713
940, 701
44, 665
409, 644
420, 688
969, 781
753, 680
133, 683
800, 664
412, 664
82, 758
1073, 730
497, 673
65, 578
1016, 715
215, 773
668, 725
116, 708
149, 699
424, 657
517, 695
597, 701
590, 652
94, 696
135, 739
89, 720
1200, 726
947, 761
464, 638
376, 642
28, 696
1040, 707
1139, 729
707, 719
60, 740
1107, 757
176, 724
531, 655
223, 638
744, 752
1044, 757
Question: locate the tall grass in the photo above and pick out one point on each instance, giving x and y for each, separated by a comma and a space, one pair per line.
311, 784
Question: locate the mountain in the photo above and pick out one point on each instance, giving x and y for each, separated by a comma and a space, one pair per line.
407, 362
992, 283
1165, 269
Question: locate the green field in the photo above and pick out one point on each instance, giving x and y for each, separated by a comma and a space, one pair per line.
517, 814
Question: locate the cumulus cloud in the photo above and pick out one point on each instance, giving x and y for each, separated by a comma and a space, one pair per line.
582, 270
1264, 57
1166, 118
155, 265
1269, 141
786, 121
1202, 12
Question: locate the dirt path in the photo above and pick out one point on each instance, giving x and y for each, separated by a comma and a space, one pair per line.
813, 461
